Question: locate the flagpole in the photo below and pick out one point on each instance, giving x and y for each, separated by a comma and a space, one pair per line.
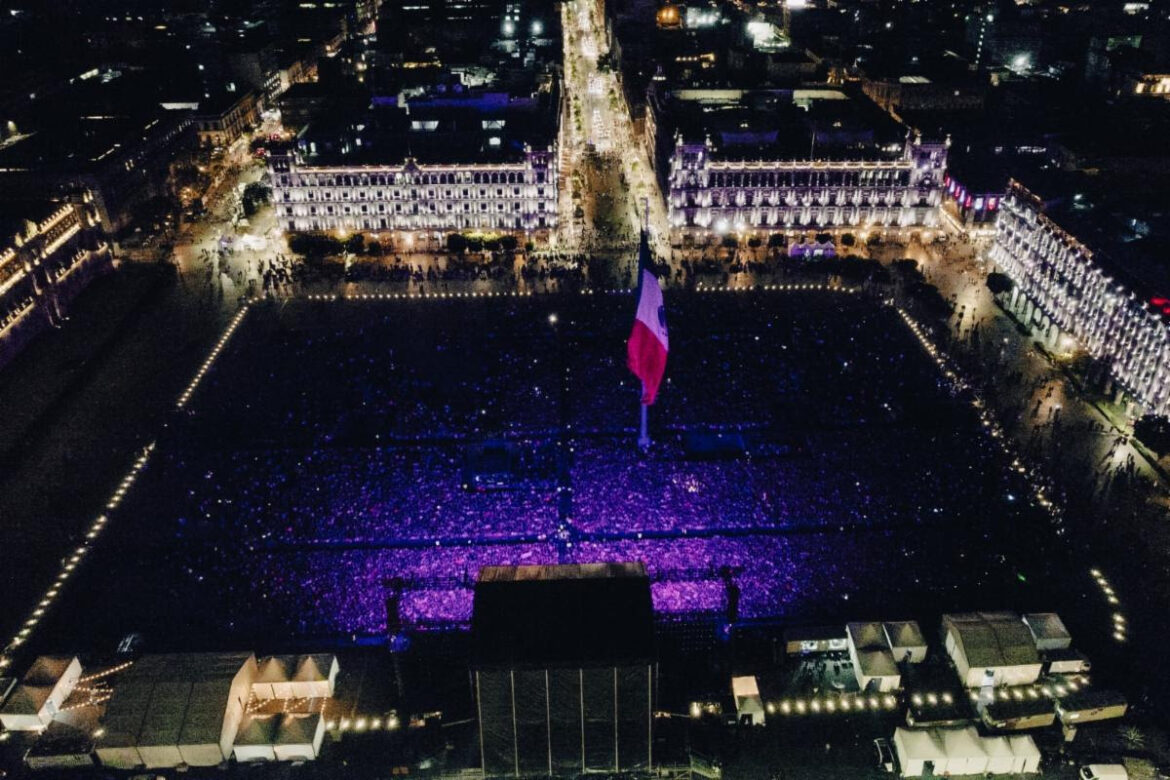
644, 431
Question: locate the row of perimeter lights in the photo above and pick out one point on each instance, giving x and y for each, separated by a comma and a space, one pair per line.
399, 296
69, 566
213, 355
888, 702
997, 432
359, 725
1120, 624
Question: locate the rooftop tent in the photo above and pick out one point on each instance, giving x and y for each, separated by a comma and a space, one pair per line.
299, 737
1048, 631
965, 752
991, 648
41, 693
961, 751
273, 678
1000, 758
26, 708
256, 738
749, 705
176, 709
158, 741
314, 677
918, 750
873, 663
118, 746
906, 640
61, 746
209, 729
1026, 753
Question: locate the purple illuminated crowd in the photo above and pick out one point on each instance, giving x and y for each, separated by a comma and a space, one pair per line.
324, 468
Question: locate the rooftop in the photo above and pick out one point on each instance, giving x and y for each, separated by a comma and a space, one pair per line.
1126, 230
588, 614
776, 124
456, 126
992, 639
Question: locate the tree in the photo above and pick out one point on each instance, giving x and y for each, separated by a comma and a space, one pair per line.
355, 245
754, 242
456, 243
1154, 432
509, 243
906, 268
848, 240
776, 241
475, 244
730, 242
932, 300
999, 284
314, 244
255, 195
823, 238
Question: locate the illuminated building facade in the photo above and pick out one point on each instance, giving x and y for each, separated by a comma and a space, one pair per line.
1061, 289
1156, 85
707, 193
225, 119
48, 254
505, 196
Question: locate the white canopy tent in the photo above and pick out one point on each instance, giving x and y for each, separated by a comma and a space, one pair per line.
175, 709
41, 693
315, 676
917, 750
299, 737
1000, 758
955, 752
273, 681
256, 739
965, 752
1048, 631
280, 737
991, 648
748, 703
1026, 753
906, 640
873, 663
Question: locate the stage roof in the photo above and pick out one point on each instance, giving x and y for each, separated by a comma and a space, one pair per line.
540, 616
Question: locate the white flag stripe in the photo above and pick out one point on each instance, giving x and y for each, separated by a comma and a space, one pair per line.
650, 306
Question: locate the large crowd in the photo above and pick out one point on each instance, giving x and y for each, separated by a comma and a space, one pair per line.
325, 467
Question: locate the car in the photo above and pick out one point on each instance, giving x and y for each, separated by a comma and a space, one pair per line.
1104, 772
885, 755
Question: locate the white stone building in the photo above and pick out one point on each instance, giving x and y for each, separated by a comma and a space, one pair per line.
1062, 290
707, 193
503, 196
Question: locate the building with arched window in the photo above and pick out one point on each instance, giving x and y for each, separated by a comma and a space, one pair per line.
450, 159
1065, 289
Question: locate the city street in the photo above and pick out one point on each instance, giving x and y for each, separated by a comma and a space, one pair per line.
604, 151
